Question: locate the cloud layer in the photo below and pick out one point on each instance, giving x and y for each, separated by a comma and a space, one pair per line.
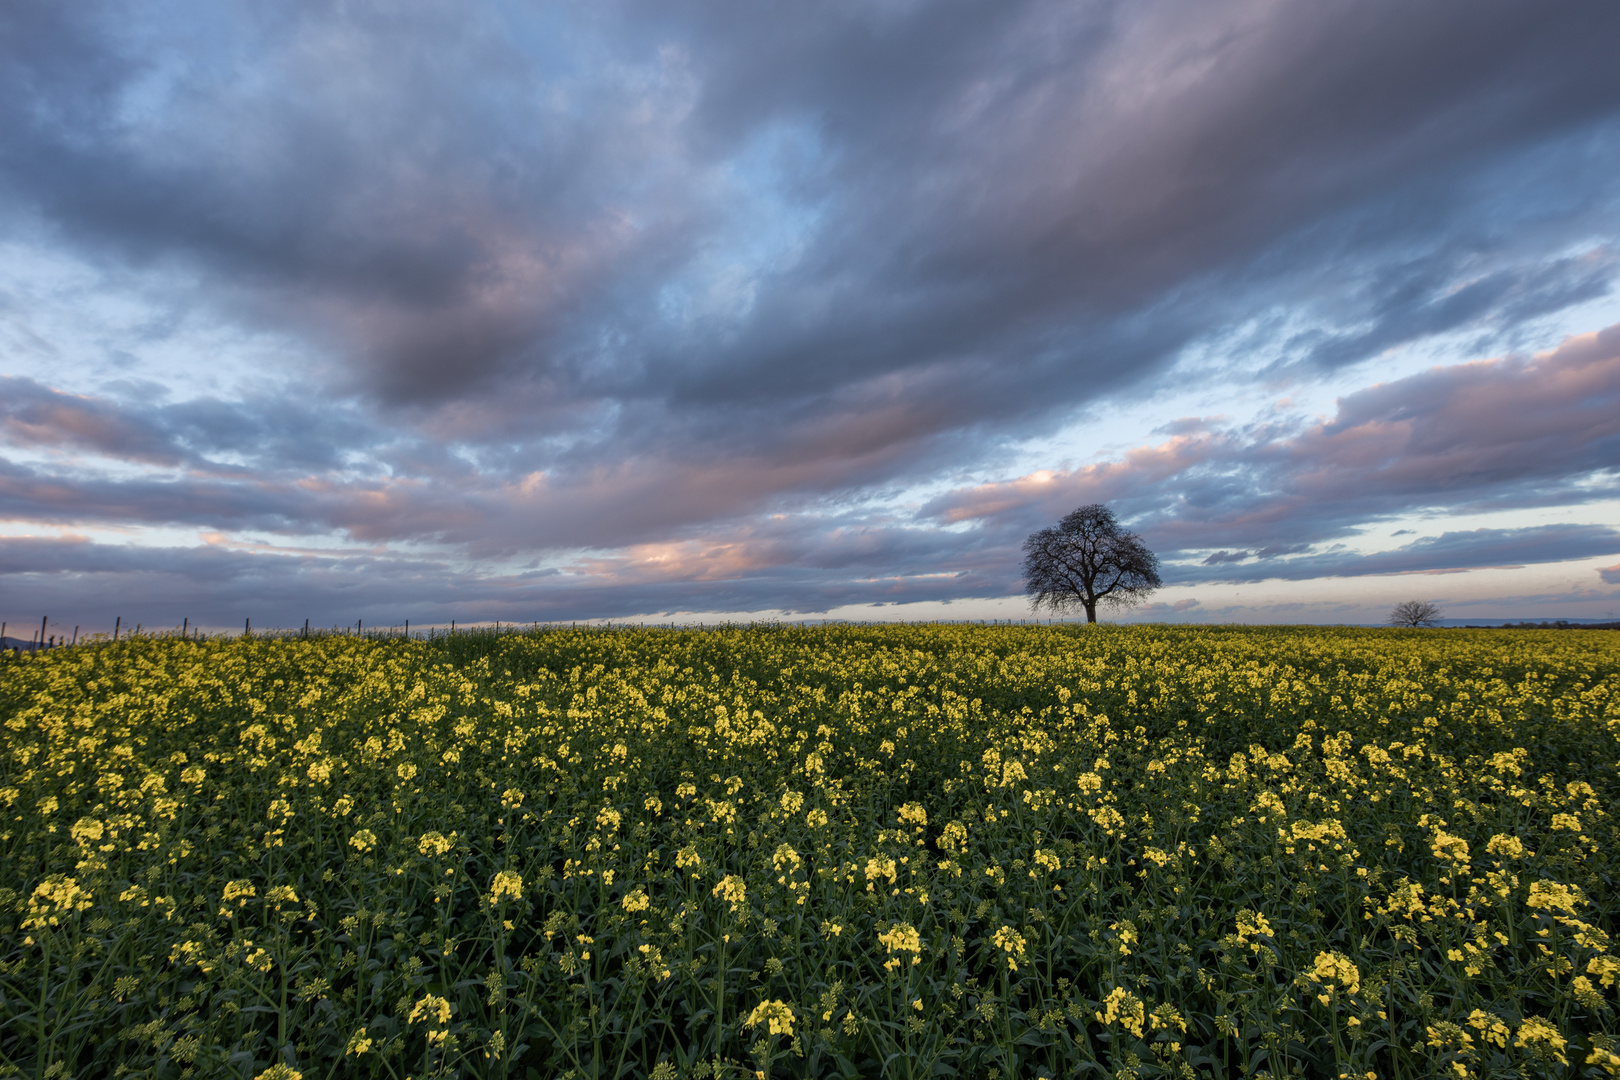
698, 307
1504, 433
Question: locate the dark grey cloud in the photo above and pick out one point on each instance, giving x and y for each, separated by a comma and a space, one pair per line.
523, 210
1450, 552
1499, 434
80, 582
35, 415
267, 434
1424, 298
633, 274
1275, 499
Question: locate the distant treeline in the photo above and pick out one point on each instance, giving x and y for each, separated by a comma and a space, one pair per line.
1561, 624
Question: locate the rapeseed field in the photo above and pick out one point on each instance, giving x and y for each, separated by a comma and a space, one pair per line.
907, 851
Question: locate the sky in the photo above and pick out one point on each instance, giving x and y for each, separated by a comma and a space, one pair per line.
672, 311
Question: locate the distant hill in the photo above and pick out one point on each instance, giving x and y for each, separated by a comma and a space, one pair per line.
8, 643
1559, 624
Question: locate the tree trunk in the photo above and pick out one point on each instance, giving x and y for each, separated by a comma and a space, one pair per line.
1091, 611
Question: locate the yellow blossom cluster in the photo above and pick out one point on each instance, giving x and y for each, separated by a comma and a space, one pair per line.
1040, 850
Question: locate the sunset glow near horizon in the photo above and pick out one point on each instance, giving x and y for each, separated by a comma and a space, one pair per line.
681, 312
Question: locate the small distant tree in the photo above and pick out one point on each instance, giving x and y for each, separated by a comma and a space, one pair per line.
1085, 560
1415, 613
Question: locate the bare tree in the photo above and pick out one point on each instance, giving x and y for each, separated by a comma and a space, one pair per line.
1085, 560
1414, 613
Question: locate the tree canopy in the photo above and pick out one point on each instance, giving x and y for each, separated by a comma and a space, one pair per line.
1415, 613
1085, 560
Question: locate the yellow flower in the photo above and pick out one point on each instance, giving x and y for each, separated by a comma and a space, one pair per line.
879, 867
86, 831
1586, 993
1157, 856
636, 900
1252, 924
785, 859
1446, 846
1537, 1034
508, 885
434, 843
901, 938
816, 818
1268, 802
54, 899
433, 1009
1605, 1059
1332, 971
777, 1016
1124, 936
1166, 1017
1448, 1036
733, 888
279, 1071
1011, 942
1490, 1026
1504, 845
1124, 1008
913, 813
240, 891
1552, 896
359, 1043
363, 840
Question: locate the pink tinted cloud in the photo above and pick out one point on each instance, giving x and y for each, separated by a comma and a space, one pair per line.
1446, 436
1159, 609
1050, 489
36, 416
1483, 421
487, 506
1453, 434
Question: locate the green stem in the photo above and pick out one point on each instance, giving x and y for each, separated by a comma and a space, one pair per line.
905, 1004
624, 1049
1006, 1014
592, 1013
281, 1011
44, 985
720, 1000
